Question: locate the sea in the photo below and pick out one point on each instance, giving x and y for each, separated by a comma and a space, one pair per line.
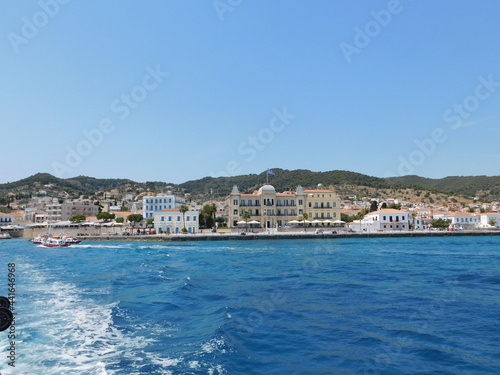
300, 306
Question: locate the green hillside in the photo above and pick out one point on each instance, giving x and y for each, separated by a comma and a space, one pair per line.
484, 187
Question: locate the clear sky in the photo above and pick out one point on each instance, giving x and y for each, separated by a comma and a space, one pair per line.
177, 90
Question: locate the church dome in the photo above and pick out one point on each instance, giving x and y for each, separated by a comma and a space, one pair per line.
267, 189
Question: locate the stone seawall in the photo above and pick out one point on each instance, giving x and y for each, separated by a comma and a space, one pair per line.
229, 237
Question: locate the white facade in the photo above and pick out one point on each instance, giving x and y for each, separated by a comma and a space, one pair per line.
6, 219
171, 221
54, 211
152, 204
463, 220
487, 217
383, 220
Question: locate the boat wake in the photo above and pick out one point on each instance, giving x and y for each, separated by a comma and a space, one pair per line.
60, 331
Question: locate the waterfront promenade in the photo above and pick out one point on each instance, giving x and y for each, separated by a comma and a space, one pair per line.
285, 235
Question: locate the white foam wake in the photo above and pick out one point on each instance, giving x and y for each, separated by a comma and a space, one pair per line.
59, 331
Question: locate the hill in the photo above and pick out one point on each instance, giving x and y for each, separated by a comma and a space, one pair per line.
282, 180
485, 188
346, 183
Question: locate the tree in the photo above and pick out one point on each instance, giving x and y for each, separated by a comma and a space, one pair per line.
304, 217
124, 208
134, 219
120, 220
441, 223
384, 205
221, 221
492, 222
77, 218
183, 209
374, 206
246, 216
394, 206
207, 215
105, 216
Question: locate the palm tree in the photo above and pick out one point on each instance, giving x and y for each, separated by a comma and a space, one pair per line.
245, 216
304, 218
183, 209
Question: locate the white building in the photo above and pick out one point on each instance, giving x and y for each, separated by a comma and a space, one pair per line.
6, 219
385, 219
463, 220
54, 211
171, 221
489, 216
152, 204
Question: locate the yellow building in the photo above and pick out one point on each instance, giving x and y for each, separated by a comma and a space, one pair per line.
271, 209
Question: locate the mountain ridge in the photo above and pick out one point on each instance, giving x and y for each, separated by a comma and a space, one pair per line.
486, 188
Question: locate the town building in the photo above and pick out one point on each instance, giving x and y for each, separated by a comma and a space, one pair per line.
271, 209
386, 219
462, 220
155, 203
6, 219
489, 218
172, 221
83, 207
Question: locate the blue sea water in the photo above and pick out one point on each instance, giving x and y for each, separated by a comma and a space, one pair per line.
319, 306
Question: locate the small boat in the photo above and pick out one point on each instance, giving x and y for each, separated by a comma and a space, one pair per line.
5, 236
71, 240
38, 240
55, 242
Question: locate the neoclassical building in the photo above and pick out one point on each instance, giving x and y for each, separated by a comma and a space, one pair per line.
272, 209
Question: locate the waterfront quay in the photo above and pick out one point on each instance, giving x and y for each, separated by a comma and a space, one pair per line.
278, 236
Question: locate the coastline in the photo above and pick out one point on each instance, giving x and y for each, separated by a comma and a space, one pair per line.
278, 236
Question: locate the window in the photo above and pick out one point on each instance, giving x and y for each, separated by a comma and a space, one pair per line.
194, 218
163, 218
187, 218
235, 202
170, 218
178, 218
310, 204
235, 212
300, 202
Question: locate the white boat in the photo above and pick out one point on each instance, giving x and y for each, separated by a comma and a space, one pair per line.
55, 242
71, 240
5, 236
38, 240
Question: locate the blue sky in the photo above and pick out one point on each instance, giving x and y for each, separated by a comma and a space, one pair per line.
178, 90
